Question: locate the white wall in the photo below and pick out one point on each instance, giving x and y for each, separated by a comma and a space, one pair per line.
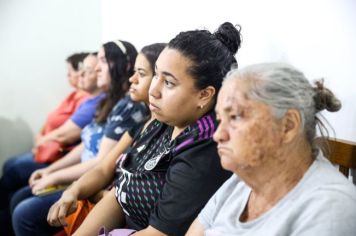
316, 36
36, 36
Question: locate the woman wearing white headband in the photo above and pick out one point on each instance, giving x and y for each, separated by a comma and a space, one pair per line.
115, 114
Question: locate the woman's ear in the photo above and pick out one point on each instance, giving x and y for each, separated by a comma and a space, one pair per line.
205, 96
292, 123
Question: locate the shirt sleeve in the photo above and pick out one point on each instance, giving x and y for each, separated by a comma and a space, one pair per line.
125, 115
193, 177
135, 130
85, 112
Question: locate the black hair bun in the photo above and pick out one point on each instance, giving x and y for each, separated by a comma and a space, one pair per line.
230, 36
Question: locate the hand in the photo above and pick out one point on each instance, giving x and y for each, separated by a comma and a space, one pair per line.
39, 141
37, 175
43, 183
66, 205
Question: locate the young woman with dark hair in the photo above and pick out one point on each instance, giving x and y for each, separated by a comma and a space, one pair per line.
89, 187
115, 114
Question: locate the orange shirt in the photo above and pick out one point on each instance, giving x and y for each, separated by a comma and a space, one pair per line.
64, 111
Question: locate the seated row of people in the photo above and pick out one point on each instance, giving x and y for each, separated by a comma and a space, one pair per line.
58, 135
154, 172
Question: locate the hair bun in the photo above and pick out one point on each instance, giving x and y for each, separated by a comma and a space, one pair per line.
230, 36
325, 99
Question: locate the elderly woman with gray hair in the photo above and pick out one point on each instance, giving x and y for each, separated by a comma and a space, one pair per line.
281, 186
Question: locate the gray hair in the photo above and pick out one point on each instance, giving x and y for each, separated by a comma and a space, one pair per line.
283, 87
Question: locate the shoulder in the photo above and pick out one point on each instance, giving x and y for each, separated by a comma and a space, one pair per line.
93, 100
325, 196
198, 136
326, 177
328, 210
128, 105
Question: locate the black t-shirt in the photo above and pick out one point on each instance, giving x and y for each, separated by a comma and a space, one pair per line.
135, 130
166, 183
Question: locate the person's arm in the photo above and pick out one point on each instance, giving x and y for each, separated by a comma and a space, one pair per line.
64, 176
106, 145
73, 157
71, 173
90, 183
106, 212
67, 133
195, 229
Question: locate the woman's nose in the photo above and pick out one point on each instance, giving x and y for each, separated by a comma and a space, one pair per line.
155, 88
133, 78
221, 134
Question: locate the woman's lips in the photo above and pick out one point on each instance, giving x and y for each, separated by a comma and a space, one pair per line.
132, 90
153, 107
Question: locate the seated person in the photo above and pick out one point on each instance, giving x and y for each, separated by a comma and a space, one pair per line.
71, 115
172, 168
281, 186
115, 114
90, 185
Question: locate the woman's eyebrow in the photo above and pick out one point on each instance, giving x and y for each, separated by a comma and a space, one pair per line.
165, 73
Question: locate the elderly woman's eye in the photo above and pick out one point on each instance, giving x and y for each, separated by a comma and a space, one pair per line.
236, 116
233, 117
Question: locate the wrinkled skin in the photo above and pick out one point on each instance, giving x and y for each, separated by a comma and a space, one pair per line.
248, 135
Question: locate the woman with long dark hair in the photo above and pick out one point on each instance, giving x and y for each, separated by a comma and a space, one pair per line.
115, 114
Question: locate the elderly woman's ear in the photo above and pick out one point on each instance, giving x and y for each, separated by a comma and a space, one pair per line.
291, 125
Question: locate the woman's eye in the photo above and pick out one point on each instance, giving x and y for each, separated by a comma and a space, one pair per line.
237, 116
168, 84
141, 74
233, 117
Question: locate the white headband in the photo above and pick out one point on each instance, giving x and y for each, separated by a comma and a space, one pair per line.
121, 46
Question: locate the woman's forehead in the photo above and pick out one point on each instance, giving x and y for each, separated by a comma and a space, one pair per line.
233, 90
173, 57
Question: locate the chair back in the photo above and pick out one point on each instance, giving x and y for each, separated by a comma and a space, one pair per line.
340, 152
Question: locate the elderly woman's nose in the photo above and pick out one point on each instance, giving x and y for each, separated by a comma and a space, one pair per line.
221, 133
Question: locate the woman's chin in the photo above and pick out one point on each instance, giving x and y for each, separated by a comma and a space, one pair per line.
135, 98
226, 163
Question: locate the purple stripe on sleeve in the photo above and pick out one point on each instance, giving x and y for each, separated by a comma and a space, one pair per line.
183, 144
206, 135
201, 130
212, 126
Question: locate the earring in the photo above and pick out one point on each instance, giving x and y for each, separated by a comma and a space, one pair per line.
201, 106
